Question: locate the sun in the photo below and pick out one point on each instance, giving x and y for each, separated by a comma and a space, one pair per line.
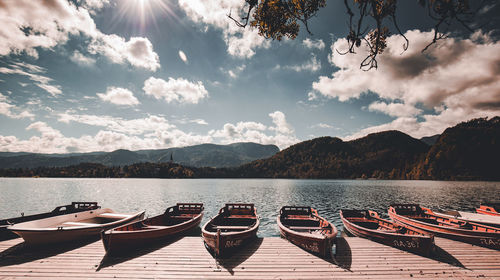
142, 13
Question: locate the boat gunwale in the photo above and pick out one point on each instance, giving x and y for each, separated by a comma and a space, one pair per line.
229, 233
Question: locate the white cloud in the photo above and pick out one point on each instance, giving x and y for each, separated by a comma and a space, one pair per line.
50, 23
196, 121
322, 125
241, 42
179, 90
137, 51
81, 59
120, 125
312, 65
183, 56
119, 96
314, 44
258, 132
311, 96
12, 111
394, 109
234, 73
29, 25
456, 77
152, 132
96, 5
281, 125
34, 73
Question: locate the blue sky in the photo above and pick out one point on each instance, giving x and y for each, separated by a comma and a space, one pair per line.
100, 75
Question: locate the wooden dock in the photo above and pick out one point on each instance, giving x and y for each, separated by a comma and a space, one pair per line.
267, 258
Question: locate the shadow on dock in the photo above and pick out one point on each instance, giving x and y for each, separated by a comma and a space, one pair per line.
442, 255
141, 249
132, 252
23, 253
343, 254
236, 257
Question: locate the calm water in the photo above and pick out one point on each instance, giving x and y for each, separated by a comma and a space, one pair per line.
30, 195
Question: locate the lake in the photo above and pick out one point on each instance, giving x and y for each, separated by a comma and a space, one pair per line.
34, 195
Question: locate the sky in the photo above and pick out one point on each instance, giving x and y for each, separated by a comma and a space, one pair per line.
101, 75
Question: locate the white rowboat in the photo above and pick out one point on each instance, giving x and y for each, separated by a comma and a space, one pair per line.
72, 227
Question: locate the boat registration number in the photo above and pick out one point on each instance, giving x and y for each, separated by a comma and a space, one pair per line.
406, 243
313, 247
233, 243
490, 241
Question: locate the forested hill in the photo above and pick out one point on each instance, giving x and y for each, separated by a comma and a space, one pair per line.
388, 154
468, 151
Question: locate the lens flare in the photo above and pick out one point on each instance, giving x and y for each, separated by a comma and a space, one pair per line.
142, 13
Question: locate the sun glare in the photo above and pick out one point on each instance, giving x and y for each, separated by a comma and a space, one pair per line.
142, 13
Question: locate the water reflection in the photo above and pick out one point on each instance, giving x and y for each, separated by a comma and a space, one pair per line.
155, 195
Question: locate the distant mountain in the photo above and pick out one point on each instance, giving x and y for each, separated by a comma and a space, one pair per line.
467, 151
430, 140
388, 154
209, 155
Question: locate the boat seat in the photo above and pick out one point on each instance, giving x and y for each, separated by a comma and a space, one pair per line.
155, 227
114, 216
306, 228
231, 227
182, 216
78, 224
240, 216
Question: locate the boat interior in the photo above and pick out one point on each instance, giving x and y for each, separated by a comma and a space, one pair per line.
174, 215
234, 217
97, 220
303, 219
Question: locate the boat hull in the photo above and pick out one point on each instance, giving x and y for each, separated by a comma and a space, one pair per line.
119, 241
480, 238
318, 242
321, 246
423, 245
224, 243
34, 235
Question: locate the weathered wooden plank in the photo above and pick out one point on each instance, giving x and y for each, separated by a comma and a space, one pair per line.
270, 258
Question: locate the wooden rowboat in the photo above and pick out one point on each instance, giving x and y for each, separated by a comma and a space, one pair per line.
74, 207
489, 220
176, 220
71, 227
423, 218
368, 224
492, 209
305, 228
235, 225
